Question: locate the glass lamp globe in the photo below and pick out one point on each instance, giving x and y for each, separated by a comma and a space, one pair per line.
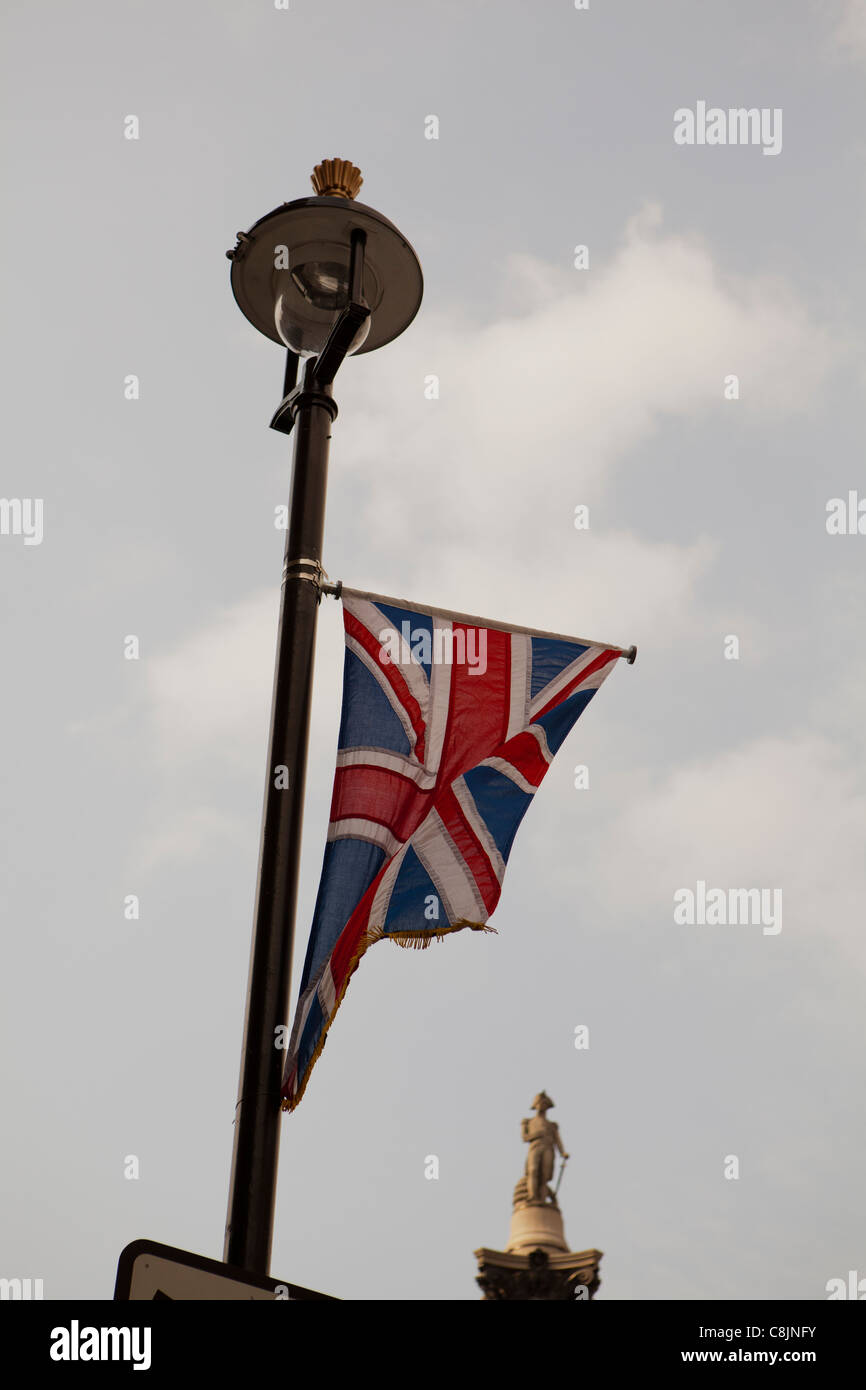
309, 294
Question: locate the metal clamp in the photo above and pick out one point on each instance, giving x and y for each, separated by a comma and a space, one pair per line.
318, 577
304, 564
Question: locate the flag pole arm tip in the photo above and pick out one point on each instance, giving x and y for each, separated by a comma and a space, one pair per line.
630, 653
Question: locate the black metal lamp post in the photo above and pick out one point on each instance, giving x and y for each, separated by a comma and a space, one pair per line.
325, 276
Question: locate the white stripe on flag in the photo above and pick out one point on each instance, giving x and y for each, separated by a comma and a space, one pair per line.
303, 1009
597, 678
448, 870
438, 705
327, 991
521, 666
355, 828
390, 762
553, 688
382, 896
508, 770
541, 739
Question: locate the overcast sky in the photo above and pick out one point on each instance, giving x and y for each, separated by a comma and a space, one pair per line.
603, 387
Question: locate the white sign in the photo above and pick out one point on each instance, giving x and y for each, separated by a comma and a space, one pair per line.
147, 1270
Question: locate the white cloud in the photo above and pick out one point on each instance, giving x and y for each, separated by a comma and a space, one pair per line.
210, 694
542, 409
849, 35
591, 367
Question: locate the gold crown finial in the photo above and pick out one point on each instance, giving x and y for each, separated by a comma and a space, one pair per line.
336, 178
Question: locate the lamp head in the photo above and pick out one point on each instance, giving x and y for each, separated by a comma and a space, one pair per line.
290, 271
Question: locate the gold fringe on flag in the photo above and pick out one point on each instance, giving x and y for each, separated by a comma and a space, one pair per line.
420, 940
409, 940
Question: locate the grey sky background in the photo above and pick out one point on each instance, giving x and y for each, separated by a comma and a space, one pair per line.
558, 387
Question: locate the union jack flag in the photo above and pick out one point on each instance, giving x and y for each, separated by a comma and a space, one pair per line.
449, 724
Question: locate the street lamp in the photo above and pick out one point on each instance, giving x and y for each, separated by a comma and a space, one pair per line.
326, 277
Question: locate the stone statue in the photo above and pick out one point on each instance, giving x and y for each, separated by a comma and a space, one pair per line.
538, 1262
542, 1136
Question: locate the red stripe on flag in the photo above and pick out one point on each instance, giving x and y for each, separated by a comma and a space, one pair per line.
479, 704
471, 848
377, 794
603, 659
350, 937
524, 753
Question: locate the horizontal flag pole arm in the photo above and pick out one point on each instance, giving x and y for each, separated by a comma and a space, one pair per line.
338, 590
